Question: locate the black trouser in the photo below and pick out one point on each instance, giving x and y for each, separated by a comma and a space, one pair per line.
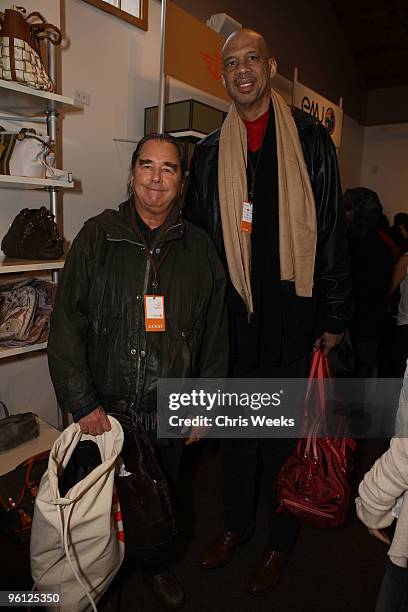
169, 457
240, 459
240, 463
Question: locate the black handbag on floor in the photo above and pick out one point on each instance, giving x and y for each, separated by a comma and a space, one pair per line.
144, 496
16, 429
33, 235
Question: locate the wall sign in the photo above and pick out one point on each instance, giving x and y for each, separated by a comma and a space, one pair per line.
132, 11
193, 52
322, 109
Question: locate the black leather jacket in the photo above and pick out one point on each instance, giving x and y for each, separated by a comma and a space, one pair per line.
329, 308
98, 349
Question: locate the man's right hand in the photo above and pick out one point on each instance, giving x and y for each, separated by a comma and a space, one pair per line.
95, 423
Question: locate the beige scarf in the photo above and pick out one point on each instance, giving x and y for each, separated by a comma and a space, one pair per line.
297, 212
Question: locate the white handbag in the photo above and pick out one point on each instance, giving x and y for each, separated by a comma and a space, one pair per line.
26, 153
77, 542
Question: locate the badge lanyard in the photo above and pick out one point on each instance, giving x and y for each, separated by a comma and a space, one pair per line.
155, 320
247, 207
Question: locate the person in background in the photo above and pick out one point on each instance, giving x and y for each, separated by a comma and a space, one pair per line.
142, 296
383, 229
399, 283
399, 231
266, 188
371, 268
384, 498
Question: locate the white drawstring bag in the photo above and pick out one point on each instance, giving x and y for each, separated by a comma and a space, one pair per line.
77, 542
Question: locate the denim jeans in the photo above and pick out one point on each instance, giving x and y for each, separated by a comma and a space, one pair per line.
393, 595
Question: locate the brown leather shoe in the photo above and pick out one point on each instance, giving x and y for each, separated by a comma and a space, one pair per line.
221, 551
268, 572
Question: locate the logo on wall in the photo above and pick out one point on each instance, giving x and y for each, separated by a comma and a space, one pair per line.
330, 120
213, 62
326, 116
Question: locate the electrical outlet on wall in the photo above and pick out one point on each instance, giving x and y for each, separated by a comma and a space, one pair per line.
82, 97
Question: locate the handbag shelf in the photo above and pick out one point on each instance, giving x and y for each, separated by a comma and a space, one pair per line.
8, 265
11, 351
26, 101
26, 182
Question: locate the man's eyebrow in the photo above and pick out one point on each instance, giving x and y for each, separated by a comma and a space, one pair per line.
171, 165
165, 163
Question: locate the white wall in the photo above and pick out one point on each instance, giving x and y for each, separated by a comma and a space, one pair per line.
385, 163
121, 73
351, 153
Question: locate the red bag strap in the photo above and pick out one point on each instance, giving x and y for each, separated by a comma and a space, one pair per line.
319, 373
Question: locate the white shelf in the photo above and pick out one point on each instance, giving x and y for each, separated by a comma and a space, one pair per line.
188, 134
26, 101
12, 458
8, 265
19, 350
26, 182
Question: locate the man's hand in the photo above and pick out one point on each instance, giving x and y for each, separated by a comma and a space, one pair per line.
95, 423
196, 433
380, 535
327, 342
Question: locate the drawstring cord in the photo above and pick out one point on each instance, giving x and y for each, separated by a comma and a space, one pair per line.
66, 549
65, 553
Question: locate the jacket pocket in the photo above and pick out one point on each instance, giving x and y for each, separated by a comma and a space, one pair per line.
184, 343
104, 323
104, 347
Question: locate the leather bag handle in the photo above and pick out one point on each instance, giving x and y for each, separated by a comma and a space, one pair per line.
6, 412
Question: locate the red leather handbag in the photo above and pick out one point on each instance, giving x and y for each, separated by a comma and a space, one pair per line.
313, 483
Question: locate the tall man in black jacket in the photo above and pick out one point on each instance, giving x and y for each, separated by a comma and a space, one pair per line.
266, 188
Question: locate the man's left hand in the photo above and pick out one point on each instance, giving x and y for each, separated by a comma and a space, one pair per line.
380, 535
327, 342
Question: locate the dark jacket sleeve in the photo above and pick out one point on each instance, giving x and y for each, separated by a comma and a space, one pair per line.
332, 275
67, 352
192, 201
201, 205
214, 353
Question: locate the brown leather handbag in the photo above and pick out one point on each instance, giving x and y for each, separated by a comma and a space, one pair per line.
144, 496
18, 490
20, 55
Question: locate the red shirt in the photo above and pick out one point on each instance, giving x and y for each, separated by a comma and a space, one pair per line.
256, 131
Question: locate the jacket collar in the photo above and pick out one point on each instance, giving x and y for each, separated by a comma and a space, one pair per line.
118, 226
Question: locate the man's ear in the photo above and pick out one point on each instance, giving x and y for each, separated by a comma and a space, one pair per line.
222, 79
273, 67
